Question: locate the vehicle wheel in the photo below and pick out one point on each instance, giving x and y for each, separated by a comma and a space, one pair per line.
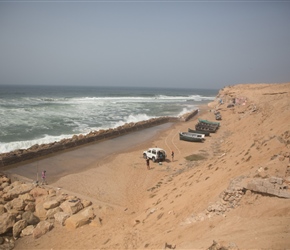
153, 159
144, 156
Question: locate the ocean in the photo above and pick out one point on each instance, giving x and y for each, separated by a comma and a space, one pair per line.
43, 114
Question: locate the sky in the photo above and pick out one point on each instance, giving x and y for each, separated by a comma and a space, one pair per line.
184, 44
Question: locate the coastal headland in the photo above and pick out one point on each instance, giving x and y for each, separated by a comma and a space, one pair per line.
230, 192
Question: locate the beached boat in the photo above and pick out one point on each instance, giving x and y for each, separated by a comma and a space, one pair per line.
206, 128
192, 137
209, 122
198, 132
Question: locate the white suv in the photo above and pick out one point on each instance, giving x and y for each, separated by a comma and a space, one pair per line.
155, 154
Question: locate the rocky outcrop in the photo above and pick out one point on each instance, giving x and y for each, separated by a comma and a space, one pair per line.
37, 151
29, 209
237, 189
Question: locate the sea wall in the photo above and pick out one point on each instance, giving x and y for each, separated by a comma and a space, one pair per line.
37, 151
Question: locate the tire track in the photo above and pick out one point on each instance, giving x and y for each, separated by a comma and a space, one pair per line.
172, 141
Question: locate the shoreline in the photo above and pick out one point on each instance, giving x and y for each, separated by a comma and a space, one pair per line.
80, 159
85, 156
43, 150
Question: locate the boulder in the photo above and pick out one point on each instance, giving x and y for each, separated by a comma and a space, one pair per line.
61, 217
30, 207
2, 201
30, 218
38, 191
42, 228
2, 209
80, 219
51, 212
27, 197
50, 204
7, 222
86, 203
27, 231
4, 179
71, 206
18, 227
40, 211
18, 190
4, 185
16, 204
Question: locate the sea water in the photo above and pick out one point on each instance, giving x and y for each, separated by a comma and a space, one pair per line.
32, 115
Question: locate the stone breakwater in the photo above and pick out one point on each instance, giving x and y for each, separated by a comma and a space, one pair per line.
37, 151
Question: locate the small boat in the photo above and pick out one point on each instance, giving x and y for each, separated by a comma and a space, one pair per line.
199, 132
204, 128
192, 137
209, 122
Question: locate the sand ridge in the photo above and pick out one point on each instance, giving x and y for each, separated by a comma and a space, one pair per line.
147, 209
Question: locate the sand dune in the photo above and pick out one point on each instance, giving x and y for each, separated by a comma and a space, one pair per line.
183, 203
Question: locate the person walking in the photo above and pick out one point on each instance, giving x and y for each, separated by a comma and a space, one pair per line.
148, 163
43, 177
172, 155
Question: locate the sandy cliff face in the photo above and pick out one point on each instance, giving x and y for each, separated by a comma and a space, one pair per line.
227, 197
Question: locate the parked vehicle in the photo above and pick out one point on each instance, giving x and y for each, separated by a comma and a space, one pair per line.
155, 154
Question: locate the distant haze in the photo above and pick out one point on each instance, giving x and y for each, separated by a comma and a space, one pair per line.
184, 44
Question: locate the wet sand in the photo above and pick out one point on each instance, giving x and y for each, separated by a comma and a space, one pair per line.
82, 158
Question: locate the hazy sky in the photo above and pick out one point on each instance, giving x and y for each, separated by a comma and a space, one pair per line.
197, 44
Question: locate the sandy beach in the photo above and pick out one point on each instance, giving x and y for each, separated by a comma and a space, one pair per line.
175, 204
81, 158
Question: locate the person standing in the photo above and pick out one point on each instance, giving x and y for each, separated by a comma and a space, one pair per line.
148, 163
172, 155
43, 177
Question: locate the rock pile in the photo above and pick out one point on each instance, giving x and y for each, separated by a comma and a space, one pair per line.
30, 209
238, 187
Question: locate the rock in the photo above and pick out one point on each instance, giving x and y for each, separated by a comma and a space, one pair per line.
223, 246
50, 204
86, 203
30, 207
18, 190
4, 179
16, 204
42, 228
61, 217
7, 222
27, 231
80, 219
18, 227
276, 180
40, 211
27, 197
71, 206
51, 212
4, 185
30, 218
97, 222
38, 191
51, 192
2, 209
